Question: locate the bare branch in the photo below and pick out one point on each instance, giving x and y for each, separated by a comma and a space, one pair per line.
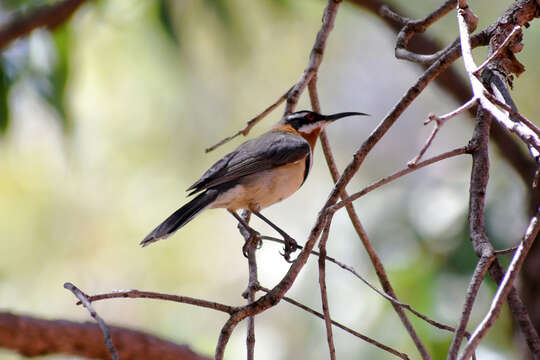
412, 27
251, 123
379, 268
253, 283
316, 55
439, 122
49, 16
374, 288
341, 326
104, 329
137, 294
324, 293
31, 336
504, 288
398, 174
499, 50
472, 291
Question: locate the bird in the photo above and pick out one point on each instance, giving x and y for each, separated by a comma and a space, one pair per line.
258, 173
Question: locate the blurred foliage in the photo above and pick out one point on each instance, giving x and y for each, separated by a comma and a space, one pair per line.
105, 120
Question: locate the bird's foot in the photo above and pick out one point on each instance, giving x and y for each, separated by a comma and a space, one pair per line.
254, 240
290, 246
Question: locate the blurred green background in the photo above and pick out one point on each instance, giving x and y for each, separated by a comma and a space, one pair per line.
105, 124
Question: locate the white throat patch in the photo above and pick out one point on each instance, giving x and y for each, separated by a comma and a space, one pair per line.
308, 128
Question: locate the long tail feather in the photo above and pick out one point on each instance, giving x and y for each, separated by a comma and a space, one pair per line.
181, 217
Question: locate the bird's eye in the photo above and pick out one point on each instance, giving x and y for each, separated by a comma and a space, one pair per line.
309, 117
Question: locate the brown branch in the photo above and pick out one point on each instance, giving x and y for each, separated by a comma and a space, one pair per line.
324, 293
379, 268
374, 288
480, 172
251, 123
341, 326
439, 122
137, 294
253, 283
104, 329
454, 83
397, 175
31, 336
472, 291
316, 55
413, 27
504, 289
277, 293
49, 16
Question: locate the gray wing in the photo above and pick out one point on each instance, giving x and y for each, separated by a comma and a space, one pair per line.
267, 151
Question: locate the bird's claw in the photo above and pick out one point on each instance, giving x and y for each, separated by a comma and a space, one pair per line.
290, 246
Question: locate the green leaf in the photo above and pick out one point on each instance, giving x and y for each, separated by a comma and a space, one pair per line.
166, 20
222, 11
4, 101
59, 75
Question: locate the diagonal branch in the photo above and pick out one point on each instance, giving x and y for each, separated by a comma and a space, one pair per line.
377, 263
49, 16
505, 287
104, 329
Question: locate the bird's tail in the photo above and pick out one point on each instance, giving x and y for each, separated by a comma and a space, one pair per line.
181, 217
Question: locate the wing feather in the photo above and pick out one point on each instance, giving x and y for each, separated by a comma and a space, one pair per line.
267, 151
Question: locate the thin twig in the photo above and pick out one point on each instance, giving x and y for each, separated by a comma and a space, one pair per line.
251, 123
104, 329
253, 283
413, 27
357, 225
137, 294
439, 122
505, 251
324, 293
316, 55
315, 104
277, 293
499, 50
523, 132
480, 175
341, 326
504, 288
374, 288
397, 175
472, 291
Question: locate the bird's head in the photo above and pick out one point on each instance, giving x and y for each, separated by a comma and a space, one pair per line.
307, 122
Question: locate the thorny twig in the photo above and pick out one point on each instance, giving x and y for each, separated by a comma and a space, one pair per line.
104, 329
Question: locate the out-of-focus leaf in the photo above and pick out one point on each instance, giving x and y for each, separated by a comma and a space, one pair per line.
223, 11
282, 3
59, 74
4, 105
166, 20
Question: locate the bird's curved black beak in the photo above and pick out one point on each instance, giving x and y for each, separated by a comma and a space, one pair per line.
341, 115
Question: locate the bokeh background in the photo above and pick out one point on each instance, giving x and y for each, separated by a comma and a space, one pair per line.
108, 119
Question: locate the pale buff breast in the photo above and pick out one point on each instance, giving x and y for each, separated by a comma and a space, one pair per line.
263, 189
